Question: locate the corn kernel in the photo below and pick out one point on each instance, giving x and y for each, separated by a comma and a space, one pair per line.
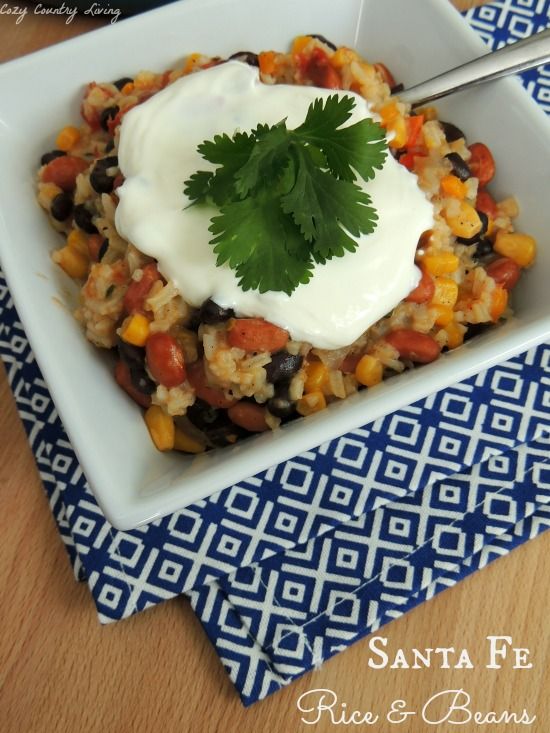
446, 292
399, 128
440, 264
455, 334
267, 62
368, 371
78, 240
67, 138
342, 57
186, 443
128, 88
135, 329
316, 377
429, 113
466, 222
389, 113
499, 301
310, 403
161, 428
443, 314
518, 247
300, 43
453, 186
73, 262
144, 80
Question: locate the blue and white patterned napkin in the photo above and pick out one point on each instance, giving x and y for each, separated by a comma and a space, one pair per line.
289, 567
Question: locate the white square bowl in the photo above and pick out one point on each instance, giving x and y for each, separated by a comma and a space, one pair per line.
132, 481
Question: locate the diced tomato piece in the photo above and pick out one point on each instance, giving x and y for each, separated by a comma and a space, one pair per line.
350, 363
139, 289
320, 71
407, 159
63, 171
414, 129
212, 395
481, 163
95, 242
124, 380
114, 122
255, 334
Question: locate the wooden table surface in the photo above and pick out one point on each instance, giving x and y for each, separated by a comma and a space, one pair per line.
61, 671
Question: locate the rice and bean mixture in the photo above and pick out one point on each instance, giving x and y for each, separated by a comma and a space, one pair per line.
207, 378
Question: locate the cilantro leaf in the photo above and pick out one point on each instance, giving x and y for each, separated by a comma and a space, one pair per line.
361, 146
198, 186
266, 160
230, 154
287, 199
262, 244
349, 206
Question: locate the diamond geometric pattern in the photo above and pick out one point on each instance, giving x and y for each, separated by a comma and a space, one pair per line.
289, 567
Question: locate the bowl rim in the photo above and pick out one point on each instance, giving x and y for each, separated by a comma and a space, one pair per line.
292, 440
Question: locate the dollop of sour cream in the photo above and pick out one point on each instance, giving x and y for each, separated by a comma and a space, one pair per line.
158, 152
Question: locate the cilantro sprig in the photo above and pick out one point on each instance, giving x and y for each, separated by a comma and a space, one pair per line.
288, 199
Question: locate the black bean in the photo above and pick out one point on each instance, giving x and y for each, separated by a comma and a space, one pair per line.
110, 145
224, 434
483, 248
111, 161
460, 167
323, 40
202, 415
214, 423
142, 381
134, 357
212, 313
397, 88
452, 132
52, 155
119, 83
61, 206
100, 180
474, 329
109, 113
83, 219
281, 407
282, 366
247, 57
484, 224
103, 249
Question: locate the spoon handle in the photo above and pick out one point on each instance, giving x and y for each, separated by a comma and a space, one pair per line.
511, 59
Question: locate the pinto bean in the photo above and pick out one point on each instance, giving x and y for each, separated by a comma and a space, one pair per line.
249, 416
424, 290
505, 272
165, 359
212, 395
413, 345
255, 334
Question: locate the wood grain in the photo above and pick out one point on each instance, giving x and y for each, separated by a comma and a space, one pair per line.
61, 671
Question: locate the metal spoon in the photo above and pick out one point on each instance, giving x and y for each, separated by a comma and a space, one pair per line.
519, 56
